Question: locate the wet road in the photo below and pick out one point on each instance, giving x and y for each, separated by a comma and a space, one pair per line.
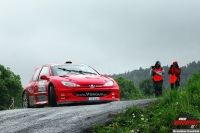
62, 119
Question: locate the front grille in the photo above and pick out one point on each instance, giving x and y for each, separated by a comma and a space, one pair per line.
92, 94
91, 86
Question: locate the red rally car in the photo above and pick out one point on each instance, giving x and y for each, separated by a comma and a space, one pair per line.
62, 83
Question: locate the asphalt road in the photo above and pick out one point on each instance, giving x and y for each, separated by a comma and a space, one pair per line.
62, 119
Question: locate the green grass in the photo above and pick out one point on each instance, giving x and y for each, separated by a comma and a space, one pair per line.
159, 117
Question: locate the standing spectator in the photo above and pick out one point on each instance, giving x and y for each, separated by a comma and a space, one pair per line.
175, 72
157, 74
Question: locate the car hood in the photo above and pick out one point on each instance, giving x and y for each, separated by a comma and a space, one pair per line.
86, 79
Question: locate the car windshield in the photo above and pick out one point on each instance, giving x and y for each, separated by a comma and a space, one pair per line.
60, 70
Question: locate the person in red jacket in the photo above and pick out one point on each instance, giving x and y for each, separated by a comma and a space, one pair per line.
157, 74
175, 73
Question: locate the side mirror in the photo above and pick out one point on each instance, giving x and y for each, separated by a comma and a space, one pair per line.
44, 77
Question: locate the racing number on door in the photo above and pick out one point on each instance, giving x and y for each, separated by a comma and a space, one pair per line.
41, 86
41, 83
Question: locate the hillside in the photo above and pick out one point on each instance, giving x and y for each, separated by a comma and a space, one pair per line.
163, 115
139, 75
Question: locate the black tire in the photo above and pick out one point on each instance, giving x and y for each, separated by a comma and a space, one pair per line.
52, 97
25, 100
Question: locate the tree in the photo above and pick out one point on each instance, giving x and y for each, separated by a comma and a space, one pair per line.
128, 90
10, 86
147, 87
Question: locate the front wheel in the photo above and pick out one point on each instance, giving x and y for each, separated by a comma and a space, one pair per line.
26, 103
52, 97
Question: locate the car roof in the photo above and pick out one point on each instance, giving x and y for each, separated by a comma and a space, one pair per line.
63, 63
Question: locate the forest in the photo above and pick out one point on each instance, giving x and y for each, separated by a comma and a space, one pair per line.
137, 76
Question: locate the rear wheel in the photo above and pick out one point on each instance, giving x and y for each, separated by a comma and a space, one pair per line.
52, 97
25, 103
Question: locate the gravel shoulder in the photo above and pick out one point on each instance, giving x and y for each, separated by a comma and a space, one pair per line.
63, 119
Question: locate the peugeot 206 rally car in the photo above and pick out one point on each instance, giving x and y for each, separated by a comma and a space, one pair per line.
62, 83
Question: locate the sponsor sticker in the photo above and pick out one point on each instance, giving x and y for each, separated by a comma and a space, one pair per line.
41, 86
91, 94
62, 96
41, 98
31, 90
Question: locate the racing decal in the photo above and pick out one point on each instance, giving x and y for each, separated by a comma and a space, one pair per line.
62, 96
41, 86
92, 94
31, 90
92, 77
41, 98
99, 86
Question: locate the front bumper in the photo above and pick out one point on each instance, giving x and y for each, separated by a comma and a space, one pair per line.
70, 95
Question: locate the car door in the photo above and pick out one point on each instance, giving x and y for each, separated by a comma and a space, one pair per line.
32, 84
41, 85
32, 87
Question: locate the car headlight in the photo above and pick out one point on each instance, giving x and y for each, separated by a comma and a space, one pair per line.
70, 84
109, 83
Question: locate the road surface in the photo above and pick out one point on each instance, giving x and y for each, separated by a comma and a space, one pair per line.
76, 118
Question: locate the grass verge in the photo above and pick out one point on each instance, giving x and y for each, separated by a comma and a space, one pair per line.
159, 116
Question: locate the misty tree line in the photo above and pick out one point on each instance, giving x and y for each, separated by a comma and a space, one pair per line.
143, 83
137, 76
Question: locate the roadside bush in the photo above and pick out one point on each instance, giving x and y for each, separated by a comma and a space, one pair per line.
128, 90
10, 86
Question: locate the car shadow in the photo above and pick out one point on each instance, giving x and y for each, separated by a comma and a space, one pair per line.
82, 104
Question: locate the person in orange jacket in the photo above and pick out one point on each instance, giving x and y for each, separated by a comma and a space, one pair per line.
175, 73
157, 74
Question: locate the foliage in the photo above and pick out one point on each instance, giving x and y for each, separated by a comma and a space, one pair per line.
10, 86
128, 90
142, 74
147, 87
159, 116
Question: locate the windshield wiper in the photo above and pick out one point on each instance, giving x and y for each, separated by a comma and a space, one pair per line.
63, 75
89, 72
64, 69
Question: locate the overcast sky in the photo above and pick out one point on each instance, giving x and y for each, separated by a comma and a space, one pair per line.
112, 36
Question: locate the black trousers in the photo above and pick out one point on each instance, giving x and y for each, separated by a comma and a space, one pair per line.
175, 85
158, 88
